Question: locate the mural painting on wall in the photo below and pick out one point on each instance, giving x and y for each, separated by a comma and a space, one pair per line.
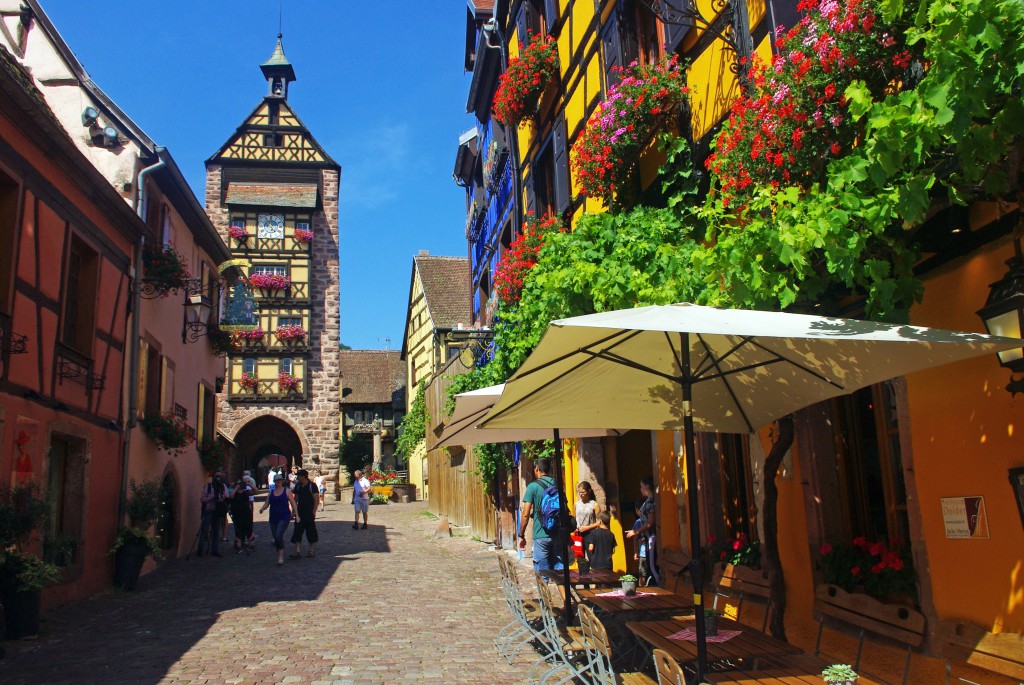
239, 311
26, 446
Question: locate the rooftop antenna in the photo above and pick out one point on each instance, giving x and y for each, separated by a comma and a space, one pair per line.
387, 343
280, 13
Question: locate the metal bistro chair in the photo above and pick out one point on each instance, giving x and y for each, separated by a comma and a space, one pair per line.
599, 668
564, 647
526, 623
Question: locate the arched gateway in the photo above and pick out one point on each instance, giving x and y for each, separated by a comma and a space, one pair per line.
272, 193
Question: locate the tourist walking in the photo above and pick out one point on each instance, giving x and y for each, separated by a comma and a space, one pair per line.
215, 510
547, 552
321, 487
361, 497
241, 515
307, 501
282, 511
587, 510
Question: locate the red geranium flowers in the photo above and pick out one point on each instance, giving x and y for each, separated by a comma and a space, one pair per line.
520, 87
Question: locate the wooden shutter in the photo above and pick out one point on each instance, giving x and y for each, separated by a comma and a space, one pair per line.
612, 48
521, 25
531, 197
143, 370
560, 153
200, 414
551, 15
674, 30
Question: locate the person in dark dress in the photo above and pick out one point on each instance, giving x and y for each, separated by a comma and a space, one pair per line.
601, 544
307, 501
241, 515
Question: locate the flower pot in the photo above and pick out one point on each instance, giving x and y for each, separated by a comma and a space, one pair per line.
584, 567
128, 563
711, 625
21, 611
629, 587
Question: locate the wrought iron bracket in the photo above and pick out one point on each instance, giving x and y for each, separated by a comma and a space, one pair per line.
153, 289
11, 342
728, 23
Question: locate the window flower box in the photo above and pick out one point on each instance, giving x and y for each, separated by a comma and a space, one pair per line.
287, 383
163, 269
270, 283
248, 381
253, 337
524, 81
303, 236
238, 233
168, 431
623, 125
291, 334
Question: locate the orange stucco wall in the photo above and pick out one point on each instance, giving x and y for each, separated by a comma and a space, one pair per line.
967, 433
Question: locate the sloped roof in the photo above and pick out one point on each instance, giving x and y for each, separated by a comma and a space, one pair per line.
446, 289
273, 195
371, 376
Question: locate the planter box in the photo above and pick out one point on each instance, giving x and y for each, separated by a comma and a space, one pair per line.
404, 492
383, 490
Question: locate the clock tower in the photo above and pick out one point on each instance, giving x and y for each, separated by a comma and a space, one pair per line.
272, 193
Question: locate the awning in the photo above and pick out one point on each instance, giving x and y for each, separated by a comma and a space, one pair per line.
273, 195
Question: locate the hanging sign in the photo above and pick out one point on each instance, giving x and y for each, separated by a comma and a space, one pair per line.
965, 518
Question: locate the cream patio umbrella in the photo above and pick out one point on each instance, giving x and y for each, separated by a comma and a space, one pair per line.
687, 367
462, 429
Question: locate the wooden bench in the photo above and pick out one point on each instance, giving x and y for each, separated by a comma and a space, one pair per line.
967, 643
885, 623
743, 583
675, 564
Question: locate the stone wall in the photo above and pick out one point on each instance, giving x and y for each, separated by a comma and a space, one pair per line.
316, 422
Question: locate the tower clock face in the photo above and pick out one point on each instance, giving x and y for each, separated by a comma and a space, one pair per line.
270, 226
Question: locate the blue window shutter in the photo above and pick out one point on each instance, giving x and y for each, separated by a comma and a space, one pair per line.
561, 157
522, 24
612, 48
675, 26
551, 14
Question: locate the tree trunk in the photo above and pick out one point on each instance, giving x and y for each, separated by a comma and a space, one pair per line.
770, 550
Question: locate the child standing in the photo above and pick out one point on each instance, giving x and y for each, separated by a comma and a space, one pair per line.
601, 543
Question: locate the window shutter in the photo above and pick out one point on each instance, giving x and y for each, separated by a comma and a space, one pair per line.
521, 26
201, 415
561, 156
531, 197
612, 49
143, 372
551, 14
675, 27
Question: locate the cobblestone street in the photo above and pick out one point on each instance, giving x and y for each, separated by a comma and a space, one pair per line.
383, 605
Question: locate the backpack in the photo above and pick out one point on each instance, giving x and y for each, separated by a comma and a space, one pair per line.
551, 509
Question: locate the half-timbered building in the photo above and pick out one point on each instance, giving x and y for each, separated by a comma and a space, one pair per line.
272, 192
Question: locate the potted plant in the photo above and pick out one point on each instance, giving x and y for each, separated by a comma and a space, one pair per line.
22, 574
222, 342
212, 455
238, 233
710, 621
163, 268
287, 383
839, 674
133, 543
520, 87
628, 584
303, 235
290, 334
248, 381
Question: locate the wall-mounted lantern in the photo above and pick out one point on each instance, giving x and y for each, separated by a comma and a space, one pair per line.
1003, 314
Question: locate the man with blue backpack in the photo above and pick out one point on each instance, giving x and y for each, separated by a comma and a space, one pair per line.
544, 502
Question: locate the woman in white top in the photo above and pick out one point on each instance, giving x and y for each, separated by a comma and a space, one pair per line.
587, 510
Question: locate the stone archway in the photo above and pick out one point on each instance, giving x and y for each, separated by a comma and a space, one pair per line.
267, 435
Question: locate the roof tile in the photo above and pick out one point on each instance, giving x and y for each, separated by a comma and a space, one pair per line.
274, 195
372, 377
446, 288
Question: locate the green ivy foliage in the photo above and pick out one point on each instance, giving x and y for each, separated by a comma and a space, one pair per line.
414, 425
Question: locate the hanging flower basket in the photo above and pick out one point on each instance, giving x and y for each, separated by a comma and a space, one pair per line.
168, 431
521, 86
221, 341
163, 268
239, 233
291, 333
212, 455
248, 381
287, 382
270, 281
303, 235
621, 126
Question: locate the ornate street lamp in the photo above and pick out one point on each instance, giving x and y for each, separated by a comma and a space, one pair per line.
198, 309
1003, 314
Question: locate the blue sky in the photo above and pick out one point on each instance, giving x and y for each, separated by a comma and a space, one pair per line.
380, 85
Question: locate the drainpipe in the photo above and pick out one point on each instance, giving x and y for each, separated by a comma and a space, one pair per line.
139, 205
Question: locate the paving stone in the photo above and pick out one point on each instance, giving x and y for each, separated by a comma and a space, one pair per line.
383, 605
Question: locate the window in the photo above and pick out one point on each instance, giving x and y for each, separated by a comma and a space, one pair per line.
289, 321
273, 140
154, 382
285, 366
9, 193
301, 225
249, 366
80, 290
265, 270
738, 507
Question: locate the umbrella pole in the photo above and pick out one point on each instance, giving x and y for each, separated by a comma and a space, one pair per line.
561, 530
693, 504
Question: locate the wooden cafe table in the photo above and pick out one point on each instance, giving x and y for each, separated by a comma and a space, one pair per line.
595, 578
646, 599
775, 676
748, 649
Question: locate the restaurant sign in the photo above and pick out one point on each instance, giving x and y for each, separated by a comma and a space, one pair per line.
965, 518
